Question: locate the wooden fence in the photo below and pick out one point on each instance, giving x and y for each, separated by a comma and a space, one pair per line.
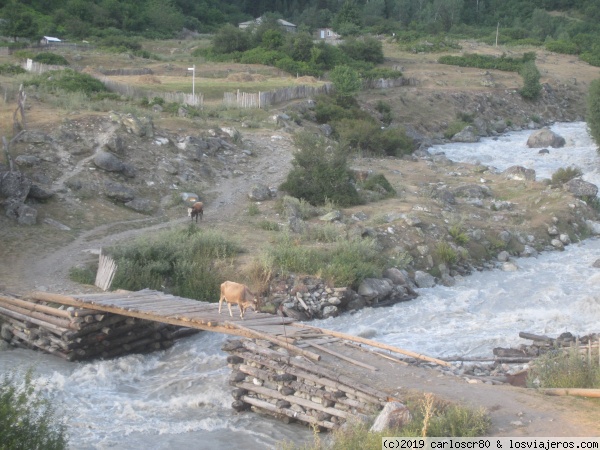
264, 99
387, 83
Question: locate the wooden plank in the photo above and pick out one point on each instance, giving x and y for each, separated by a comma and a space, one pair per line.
391, 348
36, 307
287, 412
272, 393
280, 342
340, 356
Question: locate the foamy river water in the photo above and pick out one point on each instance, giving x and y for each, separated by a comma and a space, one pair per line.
179, 398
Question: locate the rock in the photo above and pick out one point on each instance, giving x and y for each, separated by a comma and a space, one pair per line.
259, 192
593, 226
39, 193
596, 264
138, 126
141, 205
424, 279
545, 138
544, 151
118, 192
27, 160
34, 137
109, 162
356, 303
468, 134
528, 251
375, 288
519, 173
556, 243
509, 266
472, 191
22, 213
14, 186
503, 256
294, 313
580, 188
397, 276
565, 239
331, 216
330, 311
115, 144
393, 415
56, 224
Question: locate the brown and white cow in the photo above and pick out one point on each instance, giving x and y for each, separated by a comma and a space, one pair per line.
233, 292
197, 210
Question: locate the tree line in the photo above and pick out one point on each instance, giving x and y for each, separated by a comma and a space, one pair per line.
80, 19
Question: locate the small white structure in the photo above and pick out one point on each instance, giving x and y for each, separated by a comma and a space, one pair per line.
328, 33
49, 40
287, 26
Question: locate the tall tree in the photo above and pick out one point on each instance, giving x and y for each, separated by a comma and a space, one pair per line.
19, 21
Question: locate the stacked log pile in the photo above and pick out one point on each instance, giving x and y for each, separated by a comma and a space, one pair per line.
77, 334
269, 380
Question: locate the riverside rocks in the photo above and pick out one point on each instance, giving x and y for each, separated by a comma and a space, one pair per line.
305, 298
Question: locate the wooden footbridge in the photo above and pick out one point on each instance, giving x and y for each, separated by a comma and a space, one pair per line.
285, 368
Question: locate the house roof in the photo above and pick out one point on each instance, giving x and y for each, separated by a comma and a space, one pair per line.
258, 20
52, 39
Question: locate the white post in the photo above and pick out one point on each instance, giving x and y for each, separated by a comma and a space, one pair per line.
193, 69
497, 30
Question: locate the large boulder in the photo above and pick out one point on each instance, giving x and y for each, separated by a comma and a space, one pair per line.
519, 173
14, 186
580, 188
259, 192
467, 134
22, 213
545, 138
393, 416
374, 289
118, 192
109, 162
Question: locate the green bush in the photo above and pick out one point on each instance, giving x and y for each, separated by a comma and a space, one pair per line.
11, 69
320, 172
593, 111
269, 225
562, 175
454, 127
119, 43
459, 236
360, 135
560, 46
565, 369
82, 275
503, 62
51, 58
28, 420
67, 80
531, 81
446, 254
189, 262
366, 49
379, 183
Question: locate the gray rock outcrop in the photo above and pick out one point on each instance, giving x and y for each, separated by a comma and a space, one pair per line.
581, 188
545, 138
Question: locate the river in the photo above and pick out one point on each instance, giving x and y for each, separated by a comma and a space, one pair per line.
179, 398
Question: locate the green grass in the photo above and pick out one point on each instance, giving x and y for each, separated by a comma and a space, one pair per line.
190, 262
83, 275
565, 368
342, 263
430, 418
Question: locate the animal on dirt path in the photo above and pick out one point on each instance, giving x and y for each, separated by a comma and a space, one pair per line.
197, 210
233, 292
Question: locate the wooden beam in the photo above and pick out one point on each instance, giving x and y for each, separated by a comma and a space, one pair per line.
339, 355
391, 348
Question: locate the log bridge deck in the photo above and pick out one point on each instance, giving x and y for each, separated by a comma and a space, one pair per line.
287, 369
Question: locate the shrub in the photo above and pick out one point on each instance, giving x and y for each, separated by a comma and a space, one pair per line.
51, 58
11, 69
327, 110
253, 209
68, 80
593, 111
319, 173
446, 254
120, 43
531, 81
269, 225
562, 175
366, 49
346, 81
82, 275
565, 47
454, 127
379, 183
363, 135
565, 368
459, 236
28, 420
189, 262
